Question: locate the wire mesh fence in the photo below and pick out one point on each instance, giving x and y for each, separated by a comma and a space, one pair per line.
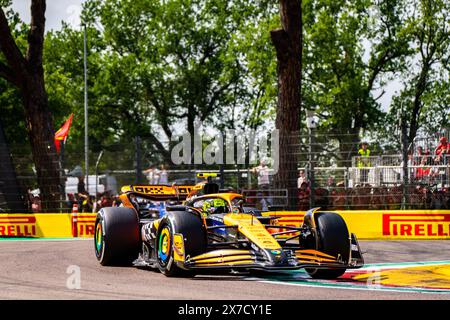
331, 173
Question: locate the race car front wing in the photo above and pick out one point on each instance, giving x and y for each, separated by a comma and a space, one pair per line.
278, 259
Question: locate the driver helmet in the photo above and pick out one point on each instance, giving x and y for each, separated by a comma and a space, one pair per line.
214, 206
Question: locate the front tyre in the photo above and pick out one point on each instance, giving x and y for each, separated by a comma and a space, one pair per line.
334, 239
191, 227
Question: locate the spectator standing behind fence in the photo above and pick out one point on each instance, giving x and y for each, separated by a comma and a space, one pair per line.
424, 170
331, 183
420, 155
302, 179
163, 176
363, 161
36, 204
150, 173
85, 202
81, 186
262, 172
442, 150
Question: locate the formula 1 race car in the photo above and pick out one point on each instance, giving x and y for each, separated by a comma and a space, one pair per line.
196, 232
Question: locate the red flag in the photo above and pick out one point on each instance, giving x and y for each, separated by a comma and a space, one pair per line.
62, 133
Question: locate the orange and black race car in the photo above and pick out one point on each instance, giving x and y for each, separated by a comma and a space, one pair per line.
197, 229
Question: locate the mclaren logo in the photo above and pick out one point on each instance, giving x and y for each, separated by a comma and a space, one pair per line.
416, 225
18, 226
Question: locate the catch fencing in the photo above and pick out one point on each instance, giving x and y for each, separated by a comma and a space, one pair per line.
336, 176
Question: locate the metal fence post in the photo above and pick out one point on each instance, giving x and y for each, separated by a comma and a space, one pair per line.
138, 163
405, 199
311, 170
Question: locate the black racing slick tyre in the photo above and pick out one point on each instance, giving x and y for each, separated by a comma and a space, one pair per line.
192, 229
334, 239
116, 237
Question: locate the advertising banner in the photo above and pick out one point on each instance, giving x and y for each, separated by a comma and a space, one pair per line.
46, 225
385, 224
367, 225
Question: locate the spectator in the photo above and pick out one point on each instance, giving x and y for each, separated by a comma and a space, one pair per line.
331, 183
442, 150
116, 201
303, 197
104, 201
70, 201
424, 170
364, 154
81, 186
363, 161
156, 176
163, 176
262, 171
36, 204
420, 153
149, 174
302, 178
30, 197
84, 202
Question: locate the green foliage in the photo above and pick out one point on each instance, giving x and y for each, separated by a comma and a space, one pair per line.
157, 67
425, 96
338, 82
11, 109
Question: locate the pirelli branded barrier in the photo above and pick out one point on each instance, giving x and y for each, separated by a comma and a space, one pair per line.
47, 225
369, 225
385, 225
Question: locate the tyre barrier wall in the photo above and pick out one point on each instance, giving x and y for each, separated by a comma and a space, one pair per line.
367, 225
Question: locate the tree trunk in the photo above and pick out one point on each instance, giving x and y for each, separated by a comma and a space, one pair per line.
41, 135
27, 73
288, 46
419, 90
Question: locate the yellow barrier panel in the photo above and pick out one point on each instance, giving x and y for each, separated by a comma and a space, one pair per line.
46, 225
368, 225
385, 224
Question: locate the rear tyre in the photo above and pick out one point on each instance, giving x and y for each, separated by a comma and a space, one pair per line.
116, 238
191, 227
334, 239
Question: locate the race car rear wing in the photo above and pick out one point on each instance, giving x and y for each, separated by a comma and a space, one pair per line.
158, 192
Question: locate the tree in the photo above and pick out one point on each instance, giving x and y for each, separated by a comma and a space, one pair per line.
430, 32
352, 49
424, 97
26, 72
190, 65
288, 46
179, 68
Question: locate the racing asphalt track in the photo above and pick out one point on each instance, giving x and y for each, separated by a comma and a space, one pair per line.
37, 269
